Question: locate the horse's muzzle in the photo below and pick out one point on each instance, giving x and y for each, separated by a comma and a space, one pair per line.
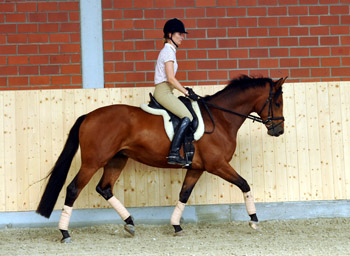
275, 130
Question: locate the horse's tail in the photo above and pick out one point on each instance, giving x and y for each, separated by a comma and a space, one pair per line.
59, 172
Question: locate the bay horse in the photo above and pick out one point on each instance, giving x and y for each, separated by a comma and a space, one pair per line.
109, 136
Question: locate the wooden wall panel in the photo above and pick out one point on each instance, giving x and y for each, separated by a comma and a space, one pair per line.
313, 142
345, 110
307, 163
2, 156
325, 142
337, 140
9, 148
34, 160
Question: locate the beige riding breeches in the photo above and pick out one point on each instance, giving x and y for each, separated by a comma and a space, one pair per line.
165, 96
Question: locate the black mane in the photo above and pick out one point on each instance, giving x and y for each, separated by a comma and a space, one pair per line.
242, 83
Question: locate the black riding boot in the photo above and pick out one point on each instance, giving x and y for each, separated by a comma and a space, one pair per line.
174, 154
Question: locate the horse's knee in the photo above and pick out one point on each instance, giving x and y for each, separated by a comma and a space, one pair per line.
106, 192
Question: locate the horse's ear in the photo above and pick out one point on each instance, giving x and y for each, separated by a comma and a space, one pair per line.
281, 81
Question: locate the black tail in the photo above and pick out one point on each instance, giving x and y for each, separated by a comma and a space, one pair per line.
59, 172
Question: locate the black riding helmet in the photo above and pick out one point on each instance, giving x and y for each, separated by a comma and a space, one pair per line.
172, 26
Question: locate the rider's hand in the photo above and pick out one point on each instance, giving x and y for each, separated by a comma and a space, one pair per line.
192, 95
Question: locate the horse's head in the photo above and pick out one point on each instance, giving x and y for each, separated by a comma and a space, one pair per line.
270, 108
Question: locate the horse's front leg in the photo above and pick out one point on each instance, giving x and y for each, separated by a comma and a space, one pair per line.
190, 181
226, 172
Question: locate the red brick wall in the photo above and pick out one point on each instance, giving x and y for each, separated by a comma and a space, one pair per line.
40, 44
307, 40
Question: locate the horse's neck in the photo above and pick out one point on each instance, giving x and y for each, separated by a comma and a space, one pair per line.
241, 102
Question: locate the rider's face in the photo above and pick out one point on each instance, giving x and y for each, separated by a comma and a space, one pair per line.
178, 37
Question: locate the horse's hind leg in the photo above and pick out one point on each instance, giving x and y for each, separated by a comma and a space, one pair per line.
191, 178
73, 190
110, 175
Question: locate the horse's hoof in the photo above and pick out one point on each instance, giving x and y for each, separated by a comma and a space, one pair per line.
179, 233
66, 240
130, 229
254, 225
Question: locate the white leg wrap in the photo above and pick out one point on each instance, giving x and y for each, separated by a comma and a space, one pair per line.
175, 218
249, 203
119, 207
65, 217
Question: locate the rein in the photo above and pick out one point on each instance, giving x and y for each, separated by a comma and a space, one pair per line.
270, 117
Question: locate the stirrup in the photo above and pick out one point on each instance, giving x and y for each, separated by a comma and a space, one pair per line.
177, 160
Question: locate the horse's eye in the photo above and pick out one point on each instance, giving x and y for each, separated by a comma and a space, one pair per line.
277, 105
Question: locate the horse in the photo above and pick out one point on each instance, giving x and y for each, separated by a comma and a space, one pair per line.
109, 136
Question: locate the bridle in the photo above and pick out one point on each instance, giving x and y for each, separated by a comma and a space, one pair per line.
266, 122
270, 116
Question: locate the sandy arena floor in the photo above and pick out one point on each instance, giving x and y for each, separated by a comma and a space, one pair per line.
291, 237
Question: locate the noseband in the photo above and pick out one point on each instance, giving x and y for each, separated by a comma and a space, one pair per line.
266, 122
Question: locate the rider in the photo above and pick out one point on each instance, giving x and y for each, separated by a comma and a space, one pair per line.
165, 81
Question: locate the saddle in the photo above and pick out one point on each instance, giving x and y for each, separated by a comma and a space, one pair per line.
174, 119
172, 122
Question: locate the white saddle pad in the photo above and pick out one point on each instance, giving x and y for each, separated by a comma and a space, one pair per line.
168, 125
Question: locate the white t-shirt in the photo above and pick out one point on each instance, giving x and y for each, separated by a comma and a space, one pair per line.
168, 53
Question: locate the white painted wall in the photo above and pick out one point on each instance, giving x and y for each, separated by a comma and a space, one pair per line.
91, 43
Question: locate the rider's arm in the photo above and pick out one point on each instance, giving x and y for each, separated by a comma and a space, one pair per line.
169, 70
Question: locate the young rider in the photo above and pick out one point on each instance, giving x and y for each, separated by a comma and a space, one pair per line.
165, 81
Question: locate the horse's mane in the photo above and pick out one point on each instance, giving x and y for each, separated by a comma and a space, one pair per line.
242, 83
